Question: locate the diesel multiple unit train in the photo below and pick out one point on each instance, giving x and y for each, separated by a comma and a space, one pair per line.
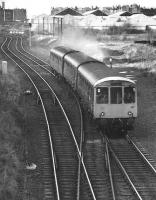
110, 98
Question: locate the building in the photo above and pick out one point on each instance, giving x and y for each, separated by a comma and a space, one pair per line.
20, 14
96, 12
8, 15
1, 15
126, 8
120, 14
134, 8
12, 15
68, 11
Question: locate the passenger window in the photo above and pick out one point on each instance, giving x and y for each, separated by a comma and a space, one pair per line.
116, 95
129, 95
102, 95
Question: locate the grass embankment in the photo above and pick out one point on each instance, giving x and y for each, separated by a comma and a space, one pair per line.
10, 136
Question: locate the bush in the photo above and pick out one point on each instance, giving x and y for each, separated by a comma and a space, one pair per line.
8, 130
10, 137
9, 166
125, 29
9, 89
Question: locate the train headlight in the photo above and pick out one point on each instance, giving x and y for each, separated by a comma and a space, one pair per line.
130, 114
102, 114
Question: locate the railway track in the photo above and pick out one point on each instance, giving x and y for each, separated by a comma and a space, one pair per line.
68, 169
93, 149
48, 174
94, 157
130, 164
65, 156
100, 181
139, 173
69, 175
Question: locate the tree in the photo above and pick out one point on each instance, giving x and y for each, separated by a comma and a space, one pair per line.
130, 52
9, 132
9, 89
76, 8
9, 166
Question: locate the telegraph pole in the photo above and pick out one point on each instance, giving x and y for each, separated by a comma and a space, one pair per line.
53, 26
43, 25
58, 20
38, 25
61, 27
30, 35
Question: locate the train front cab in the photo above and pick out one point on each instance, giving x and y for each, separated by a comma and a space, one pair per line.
116, 103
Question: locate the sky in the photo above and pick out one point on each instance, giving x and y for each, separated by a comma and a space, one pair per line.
35, 7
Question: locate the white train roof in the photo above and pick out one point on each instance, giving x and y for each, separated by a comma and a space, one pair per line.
94, 71
78, 58
61, 51
114, 78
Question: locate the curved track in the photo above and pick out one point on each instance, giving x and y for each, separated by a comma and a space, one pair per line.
95, 167
93, 154
50, 173
126, 159
64, 146
130, 164
68, 171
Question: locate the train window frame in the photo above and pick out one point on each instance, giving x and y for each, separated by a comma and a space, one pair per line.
80, 83
128, 98
66, 64
53, 58
88, 92
102, 99
57, 59
119, 100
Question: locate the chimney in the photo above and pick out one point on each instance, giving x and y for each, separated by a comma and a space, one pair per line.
3, 4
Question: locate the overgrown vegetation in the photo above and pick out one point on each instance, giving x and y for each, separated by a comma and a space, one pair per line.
111, 32
10, 137
124, 29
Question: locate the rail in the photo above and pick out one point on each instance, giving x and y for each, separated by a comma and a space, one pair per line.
36, 58
124, 171
143, 156
81, 144
75, 141
70, 127
31, 53
51, 143
109, 168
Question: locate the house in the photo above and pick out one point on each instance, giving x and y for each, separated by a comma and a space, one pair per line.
68, 11
96, 12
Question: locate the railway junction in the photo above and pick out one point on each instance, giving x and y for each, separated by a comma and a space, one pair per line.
72, 159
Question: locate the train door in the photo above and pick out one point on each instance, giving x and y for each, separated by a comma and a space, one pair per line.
101, 101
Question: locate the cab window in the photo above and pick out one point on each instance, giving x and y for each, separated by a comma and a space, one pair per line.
129, 95
102, 95
116, 95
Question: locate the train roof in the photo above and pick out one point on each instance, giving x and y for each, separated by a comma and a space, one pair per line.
78, 58
113, 78
97, 73
91, 69
61, 51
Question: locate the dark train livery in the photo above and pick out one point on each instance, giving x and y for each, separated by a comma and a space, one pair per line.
110, 98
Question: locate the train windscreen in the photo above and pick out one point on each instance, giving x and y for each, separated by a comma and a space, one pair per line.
102, 95
129, 95
116, 95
